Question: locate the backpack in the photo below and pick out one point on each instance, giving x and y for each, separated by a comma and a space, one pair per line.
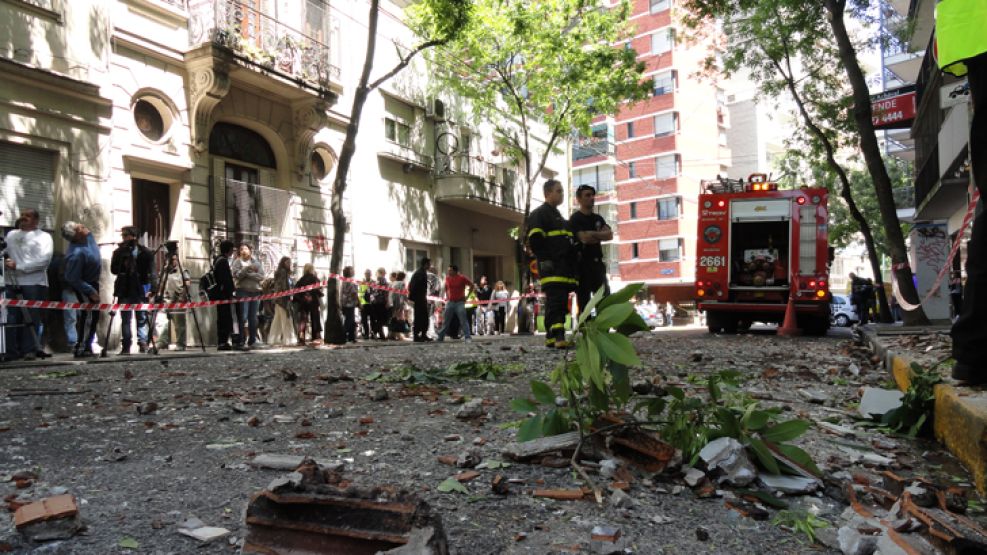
208, 283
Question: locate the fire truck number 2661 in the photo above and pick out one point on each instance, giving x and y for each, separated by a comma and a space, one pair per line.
712, 261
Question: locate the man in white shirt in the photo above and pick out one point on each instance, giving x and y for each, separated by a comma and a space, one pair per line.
29, 251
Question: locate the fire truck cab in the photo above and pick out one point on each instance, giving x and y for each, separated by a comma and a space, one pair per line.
759, 246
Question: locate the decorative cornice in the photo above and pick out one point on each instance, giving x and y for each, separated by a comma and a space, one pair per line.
310, 116
209, 82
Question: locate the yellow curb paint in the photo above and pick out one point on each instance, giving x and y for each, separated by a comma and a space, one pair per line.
960, 421
960, 424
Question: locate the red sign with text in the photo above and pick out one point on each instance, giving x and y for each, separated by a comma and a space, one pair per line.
893, 109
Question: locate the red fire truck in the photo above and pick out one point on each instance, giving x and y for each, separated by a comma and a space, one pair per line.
758, 246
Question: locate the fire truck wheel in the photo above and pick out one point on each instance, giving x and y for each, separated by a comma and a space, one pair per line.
744, 325
814, 326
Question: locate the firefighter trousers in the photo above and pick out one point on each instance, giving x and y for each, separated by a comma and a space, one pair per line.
970, 329
592, 276
556, 304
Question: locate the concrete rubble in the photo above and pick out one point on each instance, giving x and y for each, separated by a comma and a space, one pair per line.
728, 456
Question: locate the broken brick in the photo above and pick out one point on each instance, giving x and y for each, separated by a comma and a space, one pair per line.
366, 420
560, 494
467, 476
605, 533
499, 485
747, 509
49, 519
447, 459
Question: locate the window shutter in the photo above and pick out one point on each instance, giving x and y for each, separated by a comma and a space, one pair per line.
27, 180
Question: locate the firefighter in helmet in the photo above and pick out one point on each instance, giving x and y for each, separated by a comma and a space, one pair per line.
554, 247
962, 49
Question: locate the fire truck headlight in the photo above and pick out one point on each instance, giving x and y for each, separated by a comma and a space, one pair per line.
820, 293
800, 200
701, 292
812, 284
721, 204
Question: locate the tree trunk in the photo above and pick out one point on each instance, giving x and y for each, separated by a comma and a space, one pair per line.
875, 164
334, 332
845, 191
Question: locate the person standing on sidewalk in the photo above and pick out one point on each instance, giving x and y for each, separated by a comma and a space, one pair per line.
227, 314
133, 266
29, 251
456, 285
551, 241
176, 283
590, 229
309, 304
82, 266
349, 299
248, 273
364, 291
418, 295
500, 297
962, 49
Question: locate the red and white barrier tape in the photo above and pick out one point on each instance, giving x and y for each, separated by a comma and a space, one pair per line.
60, 305
905, 305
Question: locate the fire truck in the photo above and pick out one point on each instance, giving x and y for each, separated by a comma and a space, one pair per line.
758, 247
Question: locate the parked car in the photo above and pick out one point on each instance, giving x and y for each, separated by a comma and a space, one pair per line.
654, 319
842, 312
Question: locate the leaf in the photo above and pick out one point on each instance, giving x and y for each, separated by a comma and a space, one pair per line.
594, 300
632, 324
530, 429
621, 383
553, 424
758, 419
493, 464
593, 357
799, 457
452, 485
523, 406
917, 426
764, 455
598, 399
128, 543
373, 376
543, 393
622, 296
785, 431
618, 348
729, 424
764, 497
613, 315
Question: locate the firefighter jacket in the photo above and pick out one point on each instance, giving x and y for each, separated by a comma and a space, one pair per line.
552, 242
960, 33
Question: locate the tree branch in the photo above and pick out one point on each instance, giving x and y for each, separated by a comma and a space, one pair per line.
405, 61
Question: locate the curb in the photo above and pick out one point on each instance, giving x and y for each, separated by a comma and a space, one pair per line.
960, 417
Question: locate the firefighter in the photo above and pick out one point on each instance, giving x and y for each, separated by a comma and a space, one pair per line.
962, 48
552, 243
590, 229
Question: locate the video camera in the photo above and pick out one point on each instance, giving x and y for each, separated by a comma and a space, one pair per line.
171, 247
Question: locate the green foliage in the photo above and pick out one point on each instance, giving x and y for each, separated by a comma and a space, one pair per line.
552, 62
802, 522
914, 416
599, 374
470, 370
452, 485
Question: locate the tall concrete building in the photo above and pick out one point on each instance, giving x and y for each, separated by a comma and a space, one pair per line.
647, 160
200, 120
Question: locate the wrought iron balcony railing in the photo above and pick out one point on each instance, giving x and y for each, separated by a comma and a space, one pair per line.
590, 148
260, 39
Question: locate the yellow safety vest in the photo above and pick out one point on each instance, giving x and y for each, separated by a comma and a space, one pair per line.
961, 33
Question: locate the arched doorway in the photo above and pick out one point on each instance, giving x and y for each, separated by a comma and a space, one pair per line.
244, 170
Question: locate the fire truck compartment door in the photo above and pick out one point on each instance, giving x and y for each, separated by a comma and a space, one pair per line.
761, 210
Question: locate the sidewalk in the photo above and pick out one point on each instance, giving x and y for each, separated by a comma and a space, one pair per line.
960, 412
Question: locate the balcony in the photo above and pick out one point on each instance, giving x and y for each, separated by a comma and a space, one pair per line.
265, 45
473, 184
408, 155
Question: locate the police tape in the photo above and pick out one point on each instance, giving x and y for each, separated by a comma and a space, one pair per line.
947, 265
104, 307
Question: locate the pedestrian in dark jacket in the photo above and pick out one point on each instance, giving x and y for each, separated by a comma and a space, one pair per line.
418, 295
308, 303
133, 266
229, 322
82, 266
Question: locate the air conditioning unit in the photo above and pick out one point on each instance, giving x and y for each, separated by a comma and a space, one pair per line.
435, 108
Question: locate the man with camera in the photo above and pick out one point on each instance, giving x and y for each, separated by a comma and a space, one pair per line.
26, 257
82, 266
133, 266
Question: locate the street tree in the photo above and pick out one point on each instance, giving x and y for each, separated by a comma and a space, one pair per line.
444, 22
538, 71
781, 45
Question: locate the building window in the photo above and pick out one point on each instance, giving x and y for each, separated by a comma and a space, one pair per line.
659, 5
397, 132
666, 166
413, 257
608, 212
663, 41
632, 169
664, 83
634, 250
666, 124
598, 177
239, 143
633, 210
630, 129
669, 250
668, 208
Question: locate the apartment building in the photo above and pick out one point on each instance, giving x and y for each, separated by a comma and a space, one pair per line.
936, 139
647, 160
200, 120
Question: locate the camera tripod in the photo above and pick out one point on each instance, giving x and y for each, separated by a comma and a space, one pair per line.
159, 293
